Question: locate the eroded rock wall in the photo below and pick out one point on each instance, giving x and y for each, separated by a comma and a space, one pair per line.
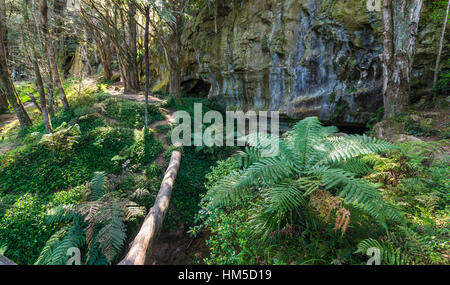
301, 57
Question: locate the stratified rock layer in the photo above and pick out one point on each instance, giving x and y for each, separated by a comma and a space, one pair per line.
300, 57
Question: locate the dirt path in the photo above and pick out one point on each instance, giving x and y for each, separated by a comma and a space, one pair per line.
162, 137
8, 118
117, 91
174, 247
8, 121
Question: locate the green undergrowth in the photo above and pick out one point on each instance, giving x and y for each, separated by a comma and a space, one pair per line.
412, 177
98, 134
196, 163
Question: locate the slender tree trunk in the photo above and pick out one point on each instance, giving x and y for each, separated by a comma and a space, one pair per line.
51, 53
37, 71
132, 75
174, 67
107, 62
4, 30
6, 83
7, 86
85, 45
441, 44
50, 94
175, 49
35, 102
147, 64
59, 8
400, 24
3, 37
175, 83
102, 42
3, 103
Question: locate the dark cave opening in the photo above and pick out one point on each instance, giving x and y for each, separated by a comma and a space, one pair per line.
353, 130
196, 88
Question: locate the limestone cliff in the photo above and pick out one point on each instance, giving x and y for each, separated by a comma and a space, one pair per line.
301, 57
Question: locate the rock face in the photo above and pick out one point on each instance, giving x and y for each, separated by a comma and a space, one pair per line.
300, 57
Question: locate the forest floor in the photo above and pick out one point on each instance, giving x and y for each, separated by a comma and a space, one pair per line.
117, 90
174, 246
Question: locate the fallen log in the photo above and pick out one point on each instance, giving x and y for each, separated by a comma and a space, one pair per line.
149, 232
5, 261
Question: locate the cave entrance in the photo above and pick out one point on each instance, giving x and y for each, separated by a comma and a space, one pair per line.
196, 88
353, 130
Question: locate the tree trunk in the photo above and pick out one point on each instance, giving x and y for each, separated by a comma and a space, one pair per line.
35, 102
175, 49
175, 83
7, 86
400, 24
4, 30
102, 42
131, 70
147, 64
3, 36
6, 83
174, 67
37, 71
87, 64
441, 44
51, 53
3, 103
50, 94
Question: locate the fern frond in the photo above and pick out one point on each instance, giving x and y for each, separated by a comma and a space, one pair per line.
267, 170
285, 196
350, 146
73, 239
268, 145
53, 242
112, 235
226, 191
306, 136
97, 186
62, 213
265, 222
388, 254
359, 193
89, 213
247, 157
354, 165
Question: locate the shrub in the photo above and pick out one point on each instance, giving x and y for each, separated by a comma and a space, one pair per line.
130, 113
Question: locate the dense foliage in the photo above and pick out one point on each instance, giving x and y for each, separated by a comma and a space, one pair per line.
51, 170
302, 229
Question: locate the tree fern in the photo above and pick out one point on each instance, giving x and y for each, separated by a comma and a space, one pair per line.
96, 227
310, 157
